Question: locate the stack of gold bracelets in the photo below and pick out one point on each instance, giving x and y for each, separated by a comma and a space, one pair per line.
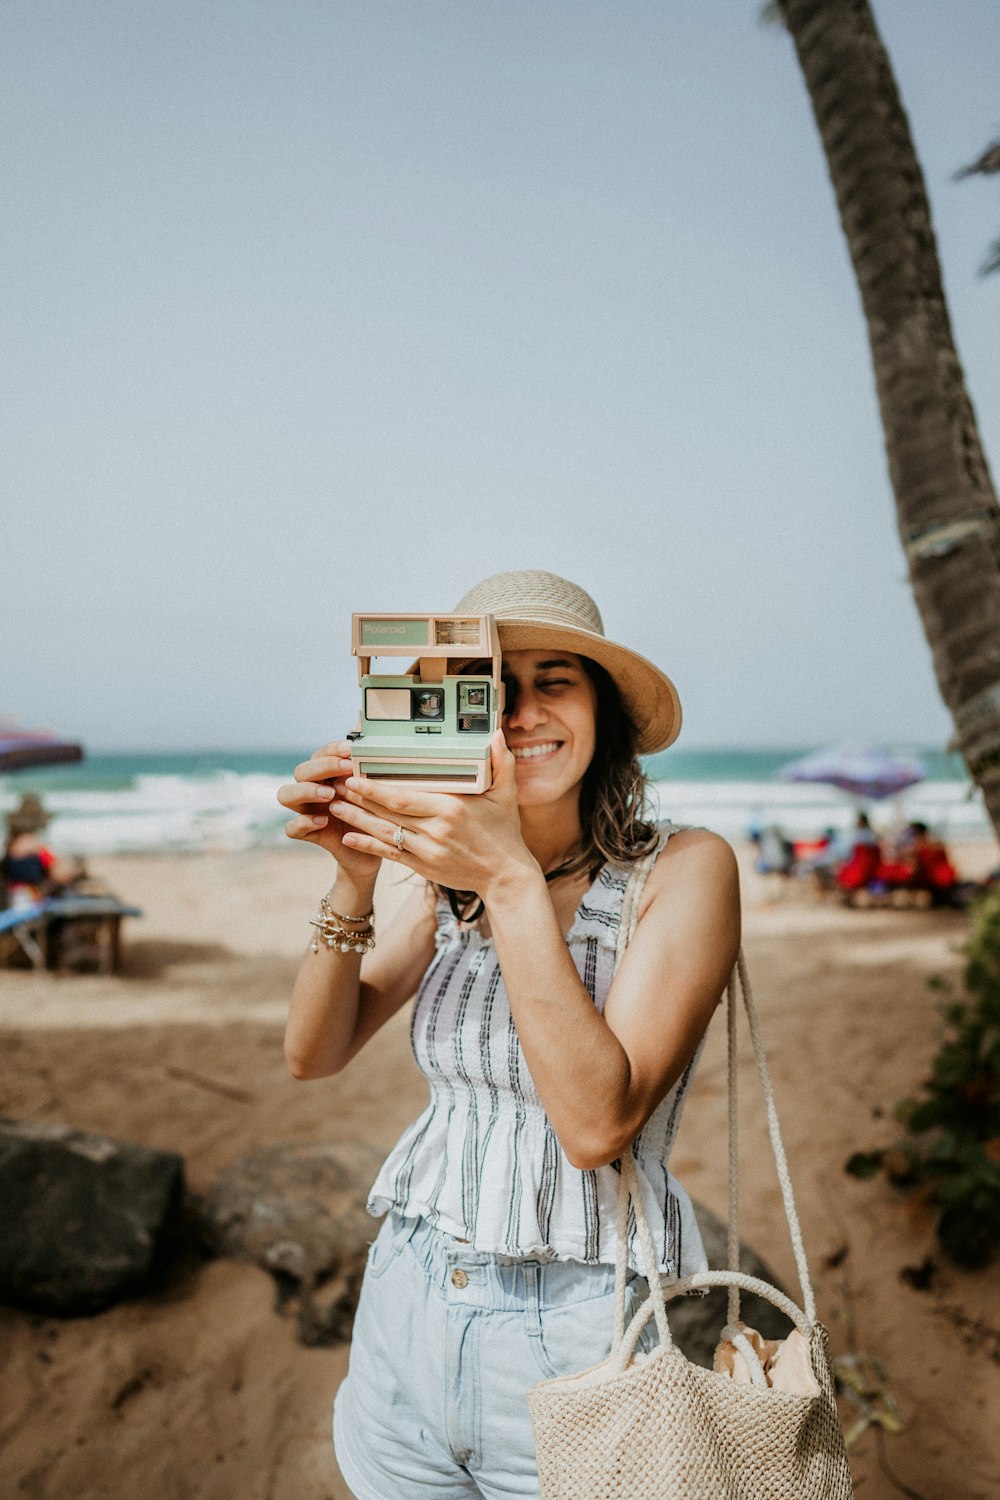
344, 934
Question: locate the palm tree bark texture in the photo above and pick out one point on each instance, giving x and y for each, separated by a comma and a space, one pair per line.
946, 504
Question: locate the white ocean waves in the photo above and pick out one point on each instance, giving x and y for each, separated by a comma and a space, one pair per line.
231, 810
224, 811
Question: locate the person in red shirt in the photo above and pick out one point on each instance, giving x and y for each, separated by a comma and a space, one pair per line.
928, 858
862, 865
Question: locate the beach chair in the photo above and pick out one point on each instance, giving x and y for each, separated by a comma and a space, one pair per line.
71, 931
21, 924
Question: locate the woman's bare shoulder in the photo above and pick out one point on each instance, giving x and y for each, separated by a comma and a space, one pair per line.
694, 860
699, 844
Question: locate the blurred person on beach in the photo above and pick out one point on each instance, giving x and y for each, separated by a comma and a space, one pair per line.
914, 865
864, 863
494, 1267
775, 853
864, 836
928, 862
29, 870
825, 859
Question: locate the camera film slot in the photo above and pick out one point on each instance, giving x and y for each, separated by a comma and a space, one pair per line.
426, 772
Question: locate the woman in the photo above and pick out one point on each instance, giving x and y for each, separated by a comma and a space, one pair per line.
494, 1267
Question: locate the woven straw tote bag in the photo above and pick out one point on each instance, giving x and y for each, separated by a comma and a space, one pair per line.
761, 1425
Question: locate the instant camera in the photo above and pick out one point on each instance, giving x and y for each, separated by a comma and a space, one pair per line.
429, 727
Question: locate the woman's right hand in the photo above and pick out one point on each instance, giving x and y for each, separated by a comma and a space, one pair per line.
309, 798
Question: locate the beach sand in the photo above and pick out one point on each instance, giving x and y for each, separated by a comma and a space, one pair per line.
201, 1392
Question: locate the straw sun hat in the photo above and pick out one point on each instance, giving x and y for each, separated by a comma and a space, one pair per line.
30, 816
535, 611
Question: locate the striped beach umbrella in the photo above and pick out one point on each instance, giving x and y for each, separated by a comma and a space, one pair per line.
23, 748
862, 770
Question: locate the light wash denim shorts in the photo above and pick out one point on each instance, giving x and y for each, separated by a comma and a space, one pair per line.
447, 1340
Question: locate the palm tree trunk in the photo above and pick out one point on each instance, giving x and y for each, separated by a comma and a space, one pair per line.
945, 501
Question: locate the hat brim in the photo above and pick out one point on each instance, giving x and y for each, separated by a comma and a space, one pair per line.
649, 696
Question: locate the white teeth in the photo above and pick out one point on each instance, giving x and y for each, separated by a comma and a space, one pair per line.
533, 750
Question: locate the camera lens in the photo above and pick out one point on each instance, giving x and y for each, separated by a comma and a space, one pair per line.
430, 705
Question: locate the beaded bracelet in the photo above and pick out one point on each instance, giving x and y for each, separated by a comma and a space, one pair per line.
358, 936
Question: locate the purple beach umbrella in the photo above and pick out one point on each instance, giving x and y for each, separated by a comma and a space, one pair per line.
22, 748
859, 769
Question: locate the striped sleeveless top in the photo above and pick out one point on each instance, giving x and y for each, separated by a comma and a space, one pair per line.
482, 1162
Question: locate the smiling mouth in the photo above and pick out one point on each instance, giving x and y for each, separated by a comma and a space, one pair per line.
535, 752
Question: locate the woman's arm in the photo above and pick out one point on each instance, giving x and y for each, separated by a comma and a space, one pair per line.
600, 1077
340, 1000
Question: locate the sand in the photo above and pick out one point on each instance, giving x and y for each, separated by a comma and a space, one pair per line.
202, 1392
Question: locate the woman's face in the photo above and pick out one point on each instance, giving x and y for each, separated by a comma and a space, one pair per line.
549, 722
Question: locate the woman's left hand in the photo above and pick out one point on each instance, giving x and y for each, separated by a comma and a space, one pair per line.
462, 842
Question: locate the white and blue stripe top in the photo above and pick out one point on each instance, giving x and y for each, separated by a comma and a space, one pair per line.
482, 1162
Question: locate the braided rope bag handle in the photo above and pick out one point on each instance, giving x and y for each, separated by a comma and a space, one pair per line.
804, 1318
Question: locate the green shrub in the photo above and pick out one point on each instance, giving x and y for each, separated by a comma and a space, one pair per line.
951, 1152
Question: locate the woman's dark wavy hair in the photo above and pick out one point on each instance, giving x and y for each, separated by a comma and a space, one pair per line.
614, 797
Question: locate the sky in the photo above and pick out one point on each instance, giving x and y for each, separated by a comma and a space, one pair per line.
333, 305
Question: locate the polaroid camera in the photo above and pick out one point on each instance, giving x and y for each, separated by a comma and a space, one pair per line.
429, 727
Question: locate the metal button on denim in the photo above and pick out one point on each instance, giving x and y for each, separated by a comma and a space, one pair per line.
459, 1279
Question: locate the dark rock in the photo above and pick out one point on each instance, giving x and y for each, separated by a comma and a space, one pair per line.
696, 1322
299, 1211
86, 1220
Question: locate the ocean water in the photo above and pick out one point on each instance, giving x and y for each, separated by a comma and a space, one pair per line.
149, 802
